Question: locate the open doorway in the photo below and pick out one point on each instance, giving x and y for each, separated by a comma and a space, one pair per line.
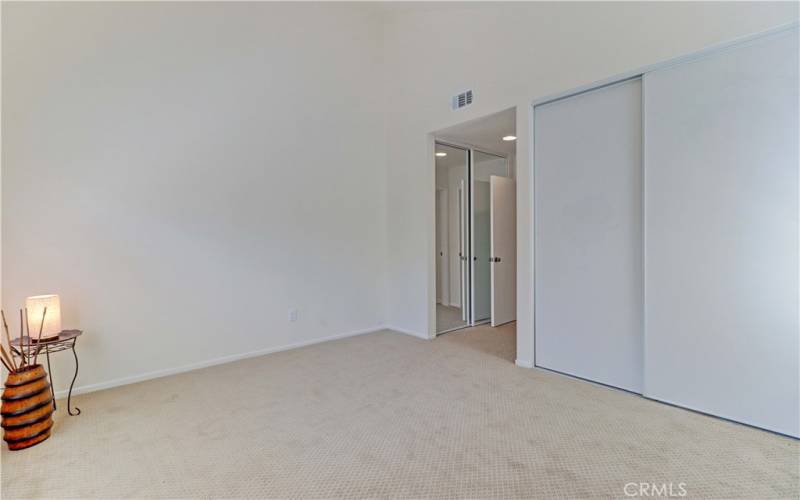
475, 223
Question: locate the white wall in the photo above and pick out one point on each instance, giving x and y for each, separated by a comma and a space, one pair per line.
510, 54
183, 174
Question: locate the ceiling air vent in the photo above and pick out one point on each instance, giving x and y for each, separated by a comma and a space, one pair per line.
462, 99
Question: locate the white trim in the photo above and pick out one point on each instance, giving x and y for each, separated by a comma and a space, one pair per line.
410, 332
471, 243
644, 235
531, 347
212, 362
524, 363
466, 145
430, 257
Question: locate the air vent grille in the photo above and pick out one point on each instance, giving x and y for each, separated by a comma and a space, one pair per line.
462, 99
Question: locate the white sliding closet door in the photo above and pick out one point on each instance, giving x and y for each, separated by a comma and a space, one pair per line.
588, 235
721, 195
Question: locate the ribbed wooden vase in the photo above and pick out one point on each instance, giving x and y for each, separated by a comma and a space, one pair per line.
27, 409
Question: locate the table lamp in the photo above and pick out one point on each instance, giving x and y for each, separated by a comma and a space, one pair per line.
52, 320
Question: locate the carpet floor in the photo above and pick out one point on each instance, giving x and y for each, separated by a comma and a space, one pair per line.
388, 415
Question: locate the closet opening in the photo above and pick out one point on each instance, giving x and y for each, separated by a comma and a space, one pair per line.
475, 223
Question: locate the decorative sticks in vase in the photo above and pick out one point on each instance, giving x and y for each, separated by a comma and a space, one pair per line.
8, 360
7, 357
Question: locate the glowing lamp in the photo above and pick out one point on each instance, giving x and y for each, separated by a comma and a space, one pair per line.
52, 320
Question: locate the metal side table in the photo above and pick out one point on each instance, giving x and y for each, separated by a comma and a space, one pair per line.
65, 340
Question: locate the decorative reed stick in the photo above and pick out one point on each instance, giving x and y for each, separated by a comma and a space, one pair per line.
4, 355
23, 361
8, 338
28, 330
6, 359
3, 359
39, 338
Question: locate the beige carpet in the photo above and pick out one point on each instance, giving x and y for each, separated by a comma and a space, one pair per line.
388, 415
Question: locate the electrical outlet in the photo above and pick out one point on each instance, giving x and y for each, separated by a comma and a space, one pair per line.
293, 314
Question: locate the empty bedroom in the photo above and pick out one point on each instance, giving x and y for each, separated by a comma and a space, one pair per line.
416, 250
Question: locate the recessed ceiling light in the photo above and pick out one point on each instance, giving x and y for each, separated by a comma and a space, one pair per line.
510, 138
440, 154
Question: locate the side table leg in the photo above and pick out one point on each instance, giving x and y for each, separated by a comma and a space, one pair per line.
69, 395
50, 374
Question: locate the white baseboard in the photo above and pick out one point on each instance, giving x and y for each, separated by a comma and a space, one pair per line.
409, 332
83, 389
524, 363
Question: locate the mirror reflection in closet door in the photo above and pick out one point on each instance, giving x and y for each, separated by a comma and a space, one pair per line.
484, 165
452, 240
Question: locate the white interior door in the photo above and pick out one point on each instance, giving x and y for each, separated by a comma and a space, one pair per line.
588, 235
503, 218
722, 234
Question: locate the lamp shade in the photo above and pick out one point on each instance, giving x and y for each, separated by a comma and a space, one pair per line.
52, 320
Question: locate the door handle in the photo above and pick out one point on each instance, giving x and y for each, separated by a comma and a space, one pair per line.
494, 259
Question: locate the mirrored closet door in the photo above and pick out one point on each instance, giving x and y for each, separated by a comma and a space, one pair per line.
452, 238
464, 234
484, 166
